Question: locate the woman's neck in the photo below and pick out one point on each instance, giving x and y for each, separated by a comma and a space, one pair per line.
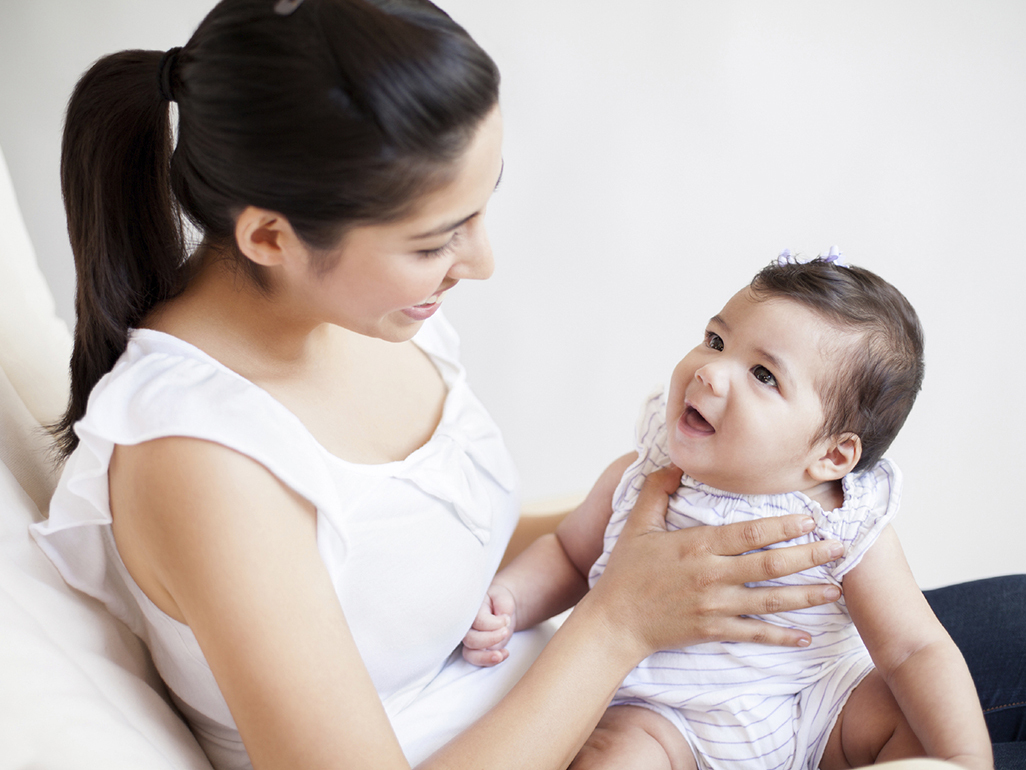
252, 331
364, 399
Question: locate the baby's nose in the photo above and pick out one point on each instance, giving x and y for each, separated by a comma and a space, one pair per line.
715, 376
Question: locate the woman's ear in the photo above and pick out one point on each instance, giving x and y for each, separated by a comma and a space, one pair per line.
840, 454
264, 237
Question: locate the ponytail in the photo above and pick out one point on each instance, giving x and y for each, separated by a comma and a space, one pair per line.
124, 224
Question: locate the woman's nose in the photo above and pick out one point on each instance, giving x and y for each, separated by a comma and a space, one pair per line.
474, 258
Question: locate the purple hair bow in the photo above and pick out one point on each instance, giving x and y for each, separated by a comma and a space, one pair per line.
834, 256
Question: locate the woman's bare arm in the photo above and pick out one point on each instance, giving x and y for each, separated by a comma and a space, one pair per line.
236, 552
551, 574
234, 555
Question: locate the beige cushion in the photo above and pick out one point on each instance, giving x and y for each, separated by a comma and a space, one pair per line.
35, 345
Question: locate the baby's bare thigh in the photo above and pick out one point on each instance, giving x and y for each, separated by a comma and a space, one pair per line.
637, 738
870, 729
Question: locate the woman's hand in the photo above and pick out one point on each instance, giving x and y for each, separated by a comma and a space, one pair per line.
484, 644
663, 590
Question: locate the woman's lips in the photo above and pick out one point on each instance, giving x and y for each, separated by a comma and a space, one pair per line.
426, 309
422, 312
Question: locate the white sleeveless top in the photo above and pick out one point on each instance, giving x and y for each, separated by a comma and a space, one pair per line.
410, 546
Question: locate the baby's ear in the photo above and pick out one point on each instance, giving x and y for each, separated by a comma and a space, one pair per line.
840, 454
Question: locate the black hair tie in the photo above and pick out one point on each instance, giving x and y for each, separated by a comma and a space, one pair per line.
168, 62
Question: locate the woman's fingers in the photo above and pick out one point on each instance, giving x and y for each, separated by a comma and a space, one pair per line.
779, 562
649, 512
741, 537
750, 536
769, 601
671, 589
758, 632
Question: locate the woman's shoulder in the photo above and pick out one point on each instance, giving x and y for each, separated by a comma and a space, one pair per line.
161, 383
164, 387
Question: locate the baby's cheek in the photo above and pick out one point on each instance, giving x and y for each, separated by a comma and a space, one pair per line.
678, 384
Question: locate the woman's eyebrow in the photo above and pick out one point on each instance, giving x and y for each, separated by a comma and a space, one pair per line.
445, 228
454, 225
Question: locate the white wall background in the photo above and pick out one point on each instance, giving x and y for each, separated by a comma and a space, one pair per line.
658, 153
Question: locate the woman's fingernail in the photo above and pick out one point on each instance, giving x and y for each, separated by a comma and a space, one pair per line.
832, 593
807, 524
836, 549
804, 642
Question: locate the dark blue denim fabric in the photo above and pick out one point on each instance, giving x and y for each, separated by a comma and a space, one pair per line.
987, 620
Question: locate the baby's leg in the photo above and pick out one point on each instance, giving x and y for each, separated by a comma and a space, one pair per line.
870, 729
637, 738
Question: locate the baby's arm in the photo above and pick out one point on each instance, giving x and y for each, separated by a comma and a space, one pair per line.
551, 575
920, 663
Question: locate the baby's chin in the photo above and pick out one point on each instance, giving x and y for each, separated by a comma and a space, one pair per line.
711, 479
679, 459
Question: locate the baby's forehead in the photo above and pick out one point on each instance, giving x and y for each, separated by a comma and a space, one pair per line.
785, 317
812, 343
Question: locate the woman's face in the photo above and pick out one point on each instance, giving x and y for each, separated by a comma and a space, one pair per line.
389, 278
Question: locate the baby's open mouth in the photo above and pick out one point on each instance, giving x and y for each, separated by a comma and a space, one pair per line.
694, 420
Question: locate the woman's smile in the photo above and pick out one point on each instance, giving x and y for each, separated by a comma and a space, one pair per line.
427, 308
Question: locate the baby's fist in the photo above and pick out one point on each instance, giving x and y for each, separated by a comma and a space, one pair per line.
484, 644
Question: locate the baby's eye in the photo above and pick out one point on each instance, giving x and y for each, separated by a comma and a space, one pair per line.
714, 341
764, 375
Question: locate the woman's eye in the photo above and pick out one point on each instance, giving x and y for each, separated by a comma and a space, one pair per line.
714, 341
764, 375
443, 249
436, 252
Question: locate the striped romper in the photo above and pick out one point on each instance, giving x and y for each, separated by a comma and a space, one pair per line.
740, 703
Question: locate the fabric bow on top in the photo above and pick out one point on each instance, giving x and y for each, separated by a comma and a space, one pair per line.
834, 256
466, 450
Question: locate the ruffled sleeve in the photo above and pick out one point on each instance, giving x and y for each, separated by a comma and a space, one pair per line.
650, 444
871, 501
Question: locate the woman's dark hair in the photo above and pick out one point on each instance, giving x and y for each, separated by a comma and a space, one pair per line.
880, 372
341, 112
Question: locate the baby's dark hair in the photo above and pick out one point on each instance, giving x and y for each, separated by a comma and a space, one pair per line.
878, 375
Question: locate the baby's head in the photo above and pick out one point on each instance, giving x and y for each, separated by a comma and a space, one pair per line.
806, 374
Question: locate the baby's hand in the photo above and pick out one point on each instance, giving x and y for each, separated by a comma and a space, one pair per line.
492, 628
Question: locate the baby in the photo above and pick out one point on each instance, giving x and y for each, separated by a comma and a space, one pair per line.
787, 406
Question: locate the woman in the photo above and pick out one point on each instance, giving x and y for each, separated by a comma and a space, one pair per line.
276, 473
